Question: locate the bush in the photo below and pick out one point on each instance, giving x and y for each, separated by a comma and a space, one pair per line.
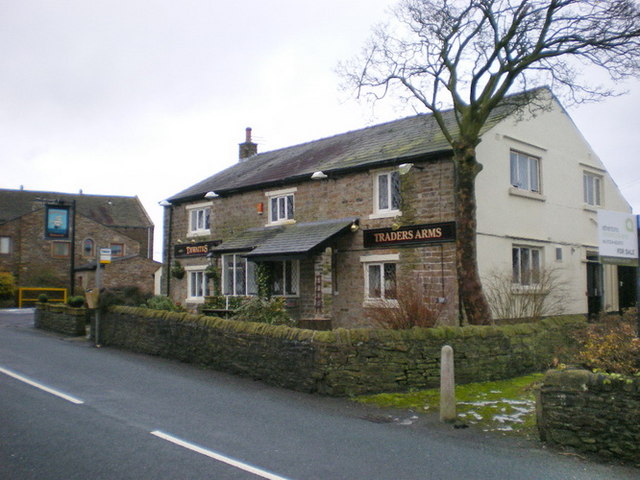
7, 289
160, 302
262, 310
610, 346
130, 296
43, 298
76, 301
415, 306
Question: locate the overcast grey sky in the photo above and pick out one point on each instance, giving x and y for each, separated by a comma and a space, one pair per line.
147, 97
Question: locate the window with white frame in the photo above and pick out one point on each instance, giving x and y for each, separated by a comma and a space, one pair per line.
197, 284
592, 189
387, 198
281, 204
238, 276
380, 281
5, 245
199, 219
525, 171
526, 265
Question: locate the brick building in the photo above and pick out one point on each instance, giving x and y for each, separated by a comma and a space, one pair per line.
347, 224
51, 239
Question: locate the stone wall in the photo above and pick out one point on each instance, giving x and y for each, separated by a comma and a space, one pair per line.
61, 319
595, 414
339, 362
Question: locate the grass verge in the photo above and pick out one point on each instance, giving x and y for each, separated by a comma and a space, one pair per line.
506, 406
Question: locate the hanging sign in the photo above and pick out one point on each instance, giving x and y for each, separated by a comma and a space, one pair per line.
57, 222
617, 238
410, 235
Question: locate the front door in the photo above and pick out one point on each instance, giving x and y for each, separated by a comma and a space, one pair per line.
627, 287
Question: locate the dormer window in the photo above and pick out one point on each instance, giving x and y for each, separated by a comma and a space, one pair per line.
199, 219
281, 206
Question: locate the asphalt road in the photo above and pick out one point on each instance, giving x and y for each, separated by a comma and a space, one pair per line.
69, 410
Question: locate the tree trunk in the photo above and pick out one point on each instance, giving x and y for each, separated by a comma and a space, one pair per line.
475, 304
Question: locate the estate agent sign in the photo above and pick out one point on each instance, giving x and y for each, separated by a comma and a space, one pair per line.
617, 238
410, 235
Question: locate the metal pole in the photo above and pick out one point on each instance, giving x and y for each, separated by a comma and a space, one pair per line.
638, 279
98, 286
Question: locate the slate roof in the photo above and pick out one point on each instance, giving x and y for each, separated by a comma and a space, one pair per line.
388, 143
108, 210
294, 239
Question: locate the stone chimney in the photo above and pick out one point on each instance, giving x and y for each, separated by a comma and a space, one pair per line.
248, 148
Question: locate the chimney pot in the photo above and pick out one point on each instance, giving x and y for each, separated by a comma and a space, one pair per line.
248, 134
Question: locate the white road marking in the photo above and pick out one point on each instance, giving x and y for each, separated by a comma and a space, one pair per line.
217, 456
52, 391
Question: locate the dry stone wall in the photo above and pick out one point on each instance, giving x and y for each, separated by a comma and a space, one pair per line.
339, 362
592, 413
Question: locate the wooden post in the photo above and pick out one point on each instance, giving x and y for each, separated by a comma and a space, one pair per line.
447, 386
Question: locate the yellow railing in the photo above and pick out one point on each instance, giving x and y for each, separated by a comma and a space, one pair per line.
28, 296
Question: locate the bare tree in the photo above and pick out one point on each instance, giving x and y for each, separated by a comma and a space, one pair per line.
469, 55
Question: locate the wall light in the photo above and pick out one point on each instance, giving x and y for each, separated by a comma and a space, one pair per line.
318, 175
210, 195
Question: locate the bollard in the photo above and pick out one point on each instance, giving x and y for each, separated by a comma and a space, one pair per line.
447, 386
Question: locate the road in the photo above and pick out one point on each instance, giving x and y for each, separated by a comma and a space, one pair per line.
69, 410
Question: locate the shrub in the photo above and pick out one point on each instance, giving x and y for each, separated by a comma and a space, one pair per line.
414, 306
610, 346
262, 310
160, 302
546, 297
76, 301
7, 289
130, 296
43, 298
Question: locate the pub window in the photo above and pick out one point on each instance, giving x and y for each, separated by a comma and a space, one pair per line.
5, 245
386, 194
380, 280
60, 249
285, 278
87, 247
238, 276
281, 205
526, 265
525, 171
117, 249
197, 285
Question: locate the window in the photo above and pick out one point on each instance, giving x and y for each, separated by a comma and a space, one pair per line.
198, 285
592, 189
60, 249
525, 172
281, 208
285, 277
5, 245
380, 277
526, 265
238, 276
387, 193
199, 221
117, 249
87, 247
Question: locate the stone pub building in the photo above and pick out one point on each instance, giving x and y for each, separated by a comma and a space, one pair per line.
348, 224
